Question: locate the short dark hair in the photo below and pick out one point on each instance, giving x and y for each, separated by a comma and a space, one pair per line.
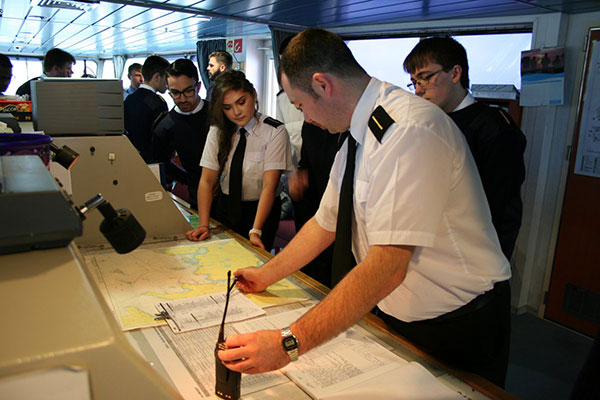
222, 57
152, 65
442, 50
57, 57
183, 66
317, 50
5, 61
134, 67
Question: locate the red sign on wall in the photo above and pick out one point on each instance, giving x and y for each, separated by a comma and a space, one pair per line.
235, 46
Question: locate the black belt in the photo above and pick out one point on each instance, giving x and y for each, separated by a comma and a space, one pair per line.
477, 303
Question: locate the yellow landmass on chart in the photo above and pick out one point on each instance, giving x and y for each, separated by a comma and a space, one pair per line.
134, 283
136, 316
279, 293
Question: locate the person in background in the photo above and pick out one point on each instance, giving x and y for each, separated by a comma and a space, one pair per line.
405, 199
439, 73
289, 115
245, 155
57, 64
184, 129
218, 62
134, 73
307, 186
144, 108
5, 73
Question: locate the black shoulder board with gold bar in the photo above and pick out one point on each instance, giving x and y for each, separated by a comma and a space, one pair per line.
273, 122
379, 122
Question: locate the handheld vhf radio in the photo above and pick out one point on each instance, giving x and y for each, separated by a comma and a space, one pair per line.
228, 382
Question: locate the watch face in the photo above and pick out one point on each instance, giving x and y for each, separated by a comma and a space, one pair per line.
290, 343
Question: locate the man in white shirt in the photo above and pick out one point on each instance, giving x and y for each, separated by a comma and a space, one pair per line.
420, 229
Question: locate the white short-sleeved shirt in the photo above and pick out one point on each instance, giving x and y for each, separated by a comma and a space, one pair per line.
293, 120
418, 187
267, 148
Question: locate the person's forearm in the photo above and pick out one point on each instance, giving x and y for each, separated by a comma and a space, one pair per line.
205, 199
265, 203
303, 248
364, 286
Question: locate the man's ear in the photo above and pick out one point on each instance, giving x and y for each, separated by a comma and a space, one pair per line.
222, 67
456, 73
321, 84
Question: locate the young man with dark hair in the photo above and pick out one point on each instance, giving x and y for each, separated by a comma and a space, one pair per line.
404, 198
184, 129
218, 62
57, 64
144, 107
5, 73
440, 73
134, 73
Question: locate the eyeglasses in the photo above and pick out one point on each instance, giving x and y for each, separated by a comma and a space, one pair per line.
424, 81
187, 92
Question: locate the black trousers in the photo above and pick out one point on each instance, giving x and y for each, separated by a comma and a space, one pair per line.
473, 338
249, 208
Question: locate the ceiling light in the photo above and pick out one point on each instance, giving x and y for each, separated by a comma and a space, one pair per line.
80, 5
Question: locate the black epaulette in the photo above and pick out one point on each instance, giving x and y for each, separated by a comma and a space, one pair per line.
273, 122
379, 122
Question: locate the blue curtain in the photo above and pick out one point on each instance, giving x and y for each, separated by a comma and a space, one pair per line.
277, 37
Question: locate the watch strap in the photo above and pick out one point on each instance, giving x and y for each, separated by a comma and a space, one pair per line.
290, 343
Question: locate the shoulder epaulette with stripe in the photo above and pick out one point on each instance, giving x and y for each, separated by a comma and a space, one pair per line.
379, 122
273, 122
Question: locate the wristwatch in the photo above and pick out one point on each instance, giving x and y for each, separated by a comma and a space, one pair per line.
257, 231
290, 343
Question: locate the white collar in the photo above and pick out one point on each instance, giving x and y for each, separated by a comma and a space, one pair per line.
363, 109
144, 86
194, 111
251, 124
467, 101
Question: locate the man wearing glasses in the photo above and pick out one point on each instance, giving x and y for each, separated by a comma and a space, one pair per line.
184, 128
440, 73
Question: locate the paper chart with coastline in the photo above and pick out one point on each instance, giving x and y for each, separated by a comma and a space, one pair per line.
134, 283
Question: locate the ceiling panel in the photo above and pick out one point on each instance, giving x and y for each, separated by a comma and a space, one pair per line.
9, 28
100, 14
58, 15
133, 26
410, 13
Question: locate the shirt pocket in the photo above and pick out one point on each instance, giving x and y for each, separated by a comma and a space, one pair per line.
255, 164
